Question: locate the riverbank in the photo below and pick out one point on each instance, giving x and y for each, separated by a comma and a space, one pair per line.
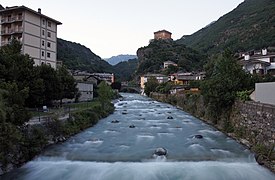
251, 124
31, 140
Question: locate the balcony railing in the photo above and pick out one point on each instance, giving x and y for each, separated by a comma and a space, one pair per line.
12, 31
11, 19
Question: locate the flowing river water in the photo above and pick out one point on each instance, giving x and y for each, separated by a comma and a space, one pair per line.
122, 146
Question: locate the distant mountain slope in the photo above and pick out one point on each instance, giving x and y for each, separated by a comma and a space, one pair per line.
151, 57
78, 57
122, 57
125, 70
249, 26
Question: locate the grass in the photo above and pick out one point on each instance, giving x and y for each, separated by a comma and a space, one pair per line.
70, 107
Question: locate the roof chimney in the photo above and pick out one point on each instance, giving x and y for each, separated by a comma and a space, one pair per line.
264, 51
39, 10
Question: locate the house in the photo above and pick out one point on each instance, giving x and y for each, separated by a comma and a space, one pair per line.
166, 64
86, 91
163, 34
94, 78
258, 62
160, 78
109, 78
36, 32
183, 78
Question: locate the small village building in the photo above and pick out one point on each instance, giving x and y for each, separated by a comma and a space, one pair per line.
166, 64
159, 77
258, 63
163, 34
86, 91
183, 78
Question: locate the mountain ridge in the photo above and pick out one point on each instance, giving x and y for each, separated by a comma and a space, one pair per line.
119, 58
251, 25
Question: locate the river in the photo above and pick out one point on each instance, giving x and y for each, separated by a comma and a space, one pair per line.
122, 147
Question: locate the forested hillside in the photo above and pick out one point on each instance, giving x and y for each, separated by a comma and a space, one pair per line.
76, 56
249, 26
125, 70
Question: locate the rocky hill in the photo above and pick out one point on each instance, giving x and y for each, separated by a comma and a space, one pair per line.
120, 58
249, 26
151, 57
78, 57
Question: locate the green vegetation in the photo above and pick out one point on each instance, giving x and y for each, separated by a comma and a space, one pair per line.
125, 70
24, 85
250, 26
224, 78
152, 85
105, 93
78, 57
151, 58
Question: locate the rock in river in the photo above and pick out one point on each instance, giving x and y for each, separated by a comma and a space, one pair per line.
160, 152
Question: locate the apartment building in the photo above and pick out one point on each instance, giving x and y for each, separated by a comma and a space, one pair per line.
36, 32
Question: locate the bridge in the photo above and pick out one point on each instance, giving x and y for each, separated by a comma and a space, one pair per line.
130, 89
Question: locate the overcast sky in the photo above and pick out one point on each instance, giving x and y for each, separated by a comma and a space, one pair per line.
113, 27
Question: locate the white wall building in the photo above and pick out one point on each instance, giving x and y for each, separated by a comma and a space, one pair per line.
159, 77
265, 93
86, 91
259, 63
37, 33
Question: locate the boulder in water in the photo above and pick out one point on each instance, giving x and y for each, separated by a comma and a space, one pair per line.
115, 121
132, 126
160, 152
198, 136
170, 117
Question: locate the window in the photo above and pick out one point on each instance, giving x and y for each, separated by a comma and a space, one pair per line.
43, 21
48, 55
49, 24
42, 53
43, 32
49, 44
49, 34
43, 43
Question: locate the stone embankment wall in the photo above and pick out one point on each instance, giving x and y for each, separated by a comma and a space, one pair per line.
255, 122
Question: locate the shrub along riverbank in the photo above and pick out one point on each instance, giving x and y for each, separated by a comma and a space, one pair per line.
22, 143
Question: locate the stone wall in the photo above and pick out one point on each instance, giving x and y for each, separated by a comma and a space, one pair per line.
255, 122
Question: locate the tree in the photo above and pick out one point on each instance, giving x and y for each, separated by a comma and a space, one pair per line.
224, 78
51, 83
150, 85
105, 93
67, 85
116, 85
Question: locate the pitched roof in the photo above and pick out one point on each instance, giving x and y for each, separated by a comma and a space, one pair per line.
162, 31
28, 9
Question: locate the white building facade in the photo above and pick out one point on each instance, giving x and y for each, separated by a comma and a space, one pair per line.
36, 32
259, 63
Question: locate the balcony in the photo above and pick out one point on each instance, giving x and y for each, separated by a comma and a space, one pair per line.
11, 19
18, 30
